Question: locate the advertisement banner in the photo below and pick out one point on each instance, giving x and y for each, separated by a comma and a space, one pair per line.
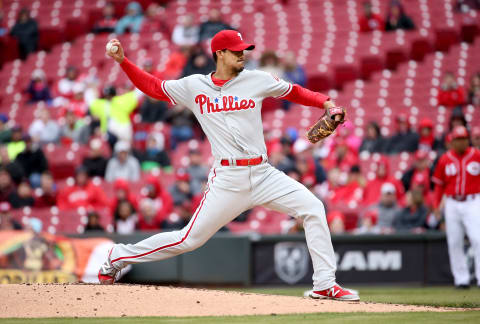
279, 262
29, 257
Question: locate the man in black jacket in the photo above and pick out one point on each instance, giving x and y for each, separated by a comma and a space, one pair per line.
33, 161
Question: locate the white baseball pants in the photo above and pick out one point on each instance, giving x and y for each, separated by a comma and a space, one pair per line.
463, 217
232, 190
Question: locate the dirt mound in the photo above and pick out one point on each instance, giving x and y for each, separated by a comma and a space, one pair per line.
85, 300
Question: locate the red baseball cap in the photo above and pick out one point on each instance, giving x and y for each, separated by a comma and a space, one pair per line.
459, 132
231, 40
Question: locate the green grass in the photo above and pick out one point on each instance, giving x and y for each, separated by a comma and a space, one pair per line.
354, 318
431, 296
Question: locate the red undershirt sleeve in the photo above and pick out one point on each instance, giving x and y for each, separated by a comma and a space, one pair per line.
437, 195
305, 97
145, 82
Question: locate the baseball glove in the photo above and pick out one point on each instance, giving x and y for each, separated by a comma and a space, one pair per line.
326, 125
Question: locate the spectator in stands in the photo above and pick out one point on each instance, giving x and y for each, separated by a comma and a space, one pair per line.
175, 63
71, 130
154, 20
122, 192
161, 198
474, 90
269, 62
25, 31
66, 85
6, 185
83, 193
32, 161
123, 165
132, 21
397, 18
38, 89
114, 111
22, 196
7, 223
44, 129
197, 171
46, 195
185, 33
372, 191
198, 63
76, 103
341, 156
476, 137
420, 169
152, 110
181, 190
154, 155
182, 120
384, 212
370, 20
373, 141
213, 25
427, 141
414, 215
125, 218
405, 139
108, 22
96, 162
93, 223
349, 193
5, 131
281, 155
184, 213
293, 73
450, 93
12, 167
17, 143
336, 222
148, 217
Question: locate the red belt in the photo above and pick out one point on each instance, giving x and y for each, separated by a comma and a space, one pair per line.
243, 162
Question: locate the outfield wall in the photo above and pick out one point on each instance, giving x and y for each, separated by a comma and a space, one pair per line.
284, 260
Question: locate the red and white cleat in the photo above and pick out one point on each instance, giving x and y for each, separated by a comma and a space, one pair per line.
335, 293
107, 273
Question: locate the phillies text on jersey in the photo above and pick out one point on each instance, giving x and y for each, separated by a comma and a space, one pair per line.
229, 115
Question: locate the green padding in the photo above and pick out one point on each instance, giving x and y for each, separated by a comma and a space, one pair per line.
224, 259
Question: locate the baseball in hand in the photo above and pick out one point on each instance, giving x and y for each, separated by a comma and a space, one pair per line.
112, 48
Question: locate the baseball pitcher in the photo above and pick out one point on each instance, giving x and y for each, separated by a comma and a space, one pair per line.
227, 104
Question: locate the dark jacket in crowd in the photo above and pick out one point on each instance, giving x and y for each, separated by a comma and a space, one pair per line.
208, 29
408, 219
376, 145
404, 22
153, 110
158, 156
403, 142
27, 35
95, 166
18, 202
32, 161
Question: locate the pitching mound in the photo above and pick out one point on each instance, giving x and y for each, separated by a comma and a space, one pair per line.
84, 300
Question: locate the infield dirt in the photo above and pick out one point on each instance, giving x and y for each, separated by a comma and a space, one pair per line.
87, 300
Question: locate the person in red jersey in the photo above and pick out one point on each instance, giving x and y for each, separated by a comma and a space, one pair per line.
457, 177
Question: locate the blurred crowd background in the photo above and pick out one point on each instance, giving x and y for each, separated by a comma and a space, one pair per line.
82, 150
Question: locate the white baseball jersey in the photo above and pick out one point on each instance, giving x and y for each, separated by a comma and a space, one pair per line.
229, 115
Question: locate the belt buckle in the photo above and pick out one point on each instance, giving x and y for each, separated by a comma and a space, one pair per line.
248, 162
